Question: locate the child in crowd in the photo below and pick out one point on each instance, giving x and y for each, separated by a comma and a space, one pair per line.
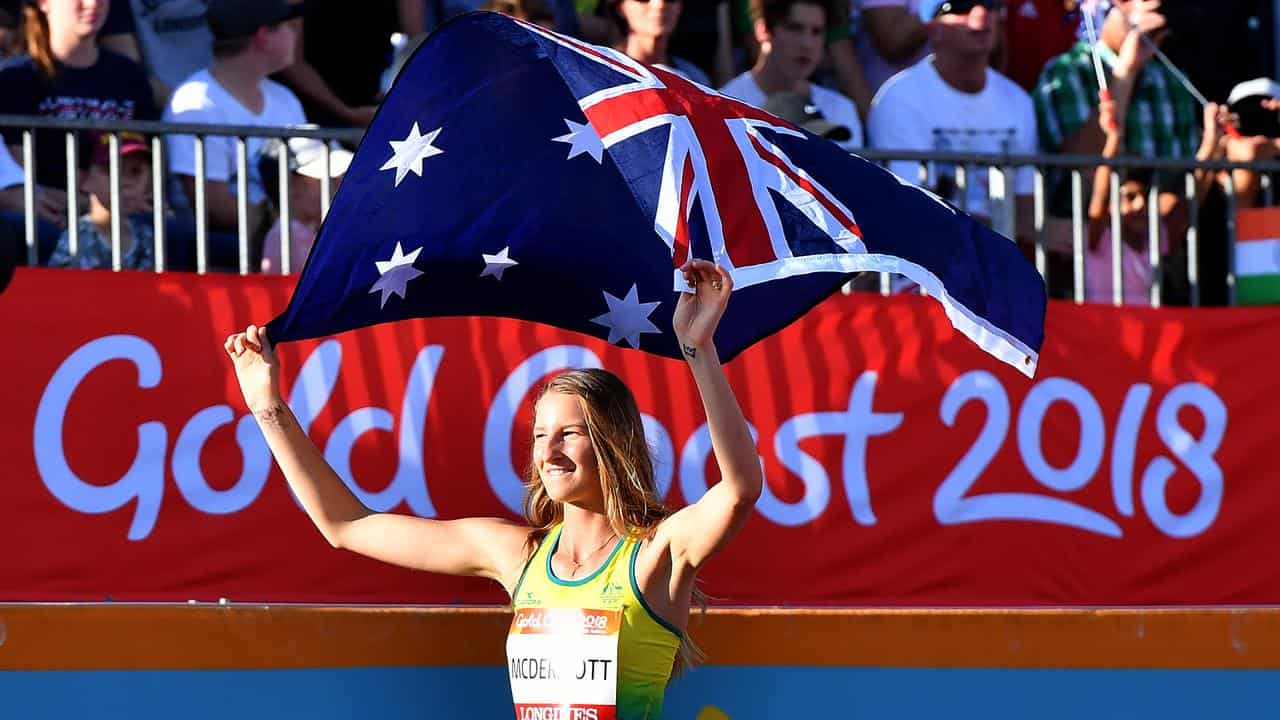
306, 170
1137, 272
137, 237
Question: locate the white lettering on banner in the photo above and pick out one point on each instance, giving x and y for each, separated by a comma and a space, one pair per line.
190, 478
310, 392
693, 463
1092, 430
663, 453
952, 505
1196, 454
953, 501
410, 481
1126, 446
145, 478
858, 424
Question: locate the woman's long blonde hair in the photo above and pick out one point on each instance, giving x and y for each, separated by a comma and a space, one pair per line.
35, 33
624, 465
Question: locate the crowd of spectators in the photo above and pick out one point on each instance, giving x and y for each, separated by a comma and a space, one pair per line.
971, 76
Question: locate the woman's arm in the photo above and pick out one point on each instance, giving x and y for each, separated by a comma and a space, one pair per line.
483, 547
700, 530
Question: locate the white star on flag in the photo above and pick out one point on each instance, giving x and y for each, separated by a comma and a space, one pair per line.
495, 265
395, 274
582, 138
627, 318
408, 154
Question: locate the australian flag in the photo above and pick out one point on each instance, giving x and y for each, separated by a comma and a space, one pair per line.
515, 172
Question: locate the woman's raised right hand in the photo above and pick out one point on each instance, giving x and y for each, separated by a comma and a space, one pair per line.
257, 368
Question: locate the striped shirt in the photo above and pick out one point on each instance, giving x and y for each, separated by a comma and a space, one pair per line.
1163, 120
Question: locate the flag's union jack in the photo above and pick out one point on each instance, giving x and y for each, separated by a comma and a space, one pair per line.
716, 153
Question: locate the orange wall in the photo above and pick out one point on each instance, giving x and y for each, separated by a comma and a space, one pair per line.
127, 637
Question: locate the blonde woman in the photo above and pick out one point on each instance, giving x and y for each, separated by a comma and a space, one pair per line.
601, 574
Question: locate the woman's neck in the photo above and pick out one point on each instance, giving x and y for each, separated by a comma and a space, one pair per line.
583, 532
648, 49
73, 50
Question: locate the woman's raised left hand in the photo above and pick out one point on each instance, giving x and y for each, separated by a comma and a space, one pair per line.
698, 313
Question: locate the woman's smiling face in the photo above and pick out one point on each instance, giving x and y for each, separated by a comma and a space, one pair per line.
562, 450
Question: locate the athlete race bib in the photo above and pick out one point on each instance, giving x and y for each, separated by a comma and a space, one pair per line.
563, 663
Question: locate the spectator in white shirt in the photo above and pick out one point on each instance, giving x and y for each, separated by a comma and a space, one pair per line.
952, 101
251, 40
792, 34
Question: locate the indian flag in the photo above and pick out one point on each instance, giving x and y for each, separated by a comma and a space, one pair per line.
1258, 256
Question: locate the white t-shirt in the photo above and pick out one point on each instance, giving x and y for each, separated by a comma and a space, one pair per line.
10, 171
918, 110
834, 107
202, 100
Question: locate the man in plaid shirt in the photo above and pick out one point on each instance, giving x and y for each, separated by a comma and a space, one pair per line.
1163, 119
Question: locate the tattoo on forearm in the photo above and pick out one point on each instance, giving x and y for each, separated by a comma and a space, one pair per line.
689, 350
273, 416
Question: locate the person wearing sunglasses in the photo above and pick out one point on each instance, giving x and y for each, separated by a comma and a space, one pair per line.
953, 101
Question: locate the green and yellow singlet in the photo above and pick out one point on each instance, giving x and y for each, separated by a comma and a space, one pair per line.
588, 649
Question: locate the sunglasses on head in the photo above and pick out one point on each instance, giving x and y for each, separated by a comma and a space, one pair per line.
964, 7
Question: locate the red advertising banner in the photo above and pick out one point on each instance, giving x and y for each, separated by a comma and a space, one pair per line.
903, 465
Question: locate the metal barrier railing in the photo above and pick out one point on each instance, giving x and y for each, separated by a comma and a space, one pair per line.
1002, 167
157, 131
1078, 171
